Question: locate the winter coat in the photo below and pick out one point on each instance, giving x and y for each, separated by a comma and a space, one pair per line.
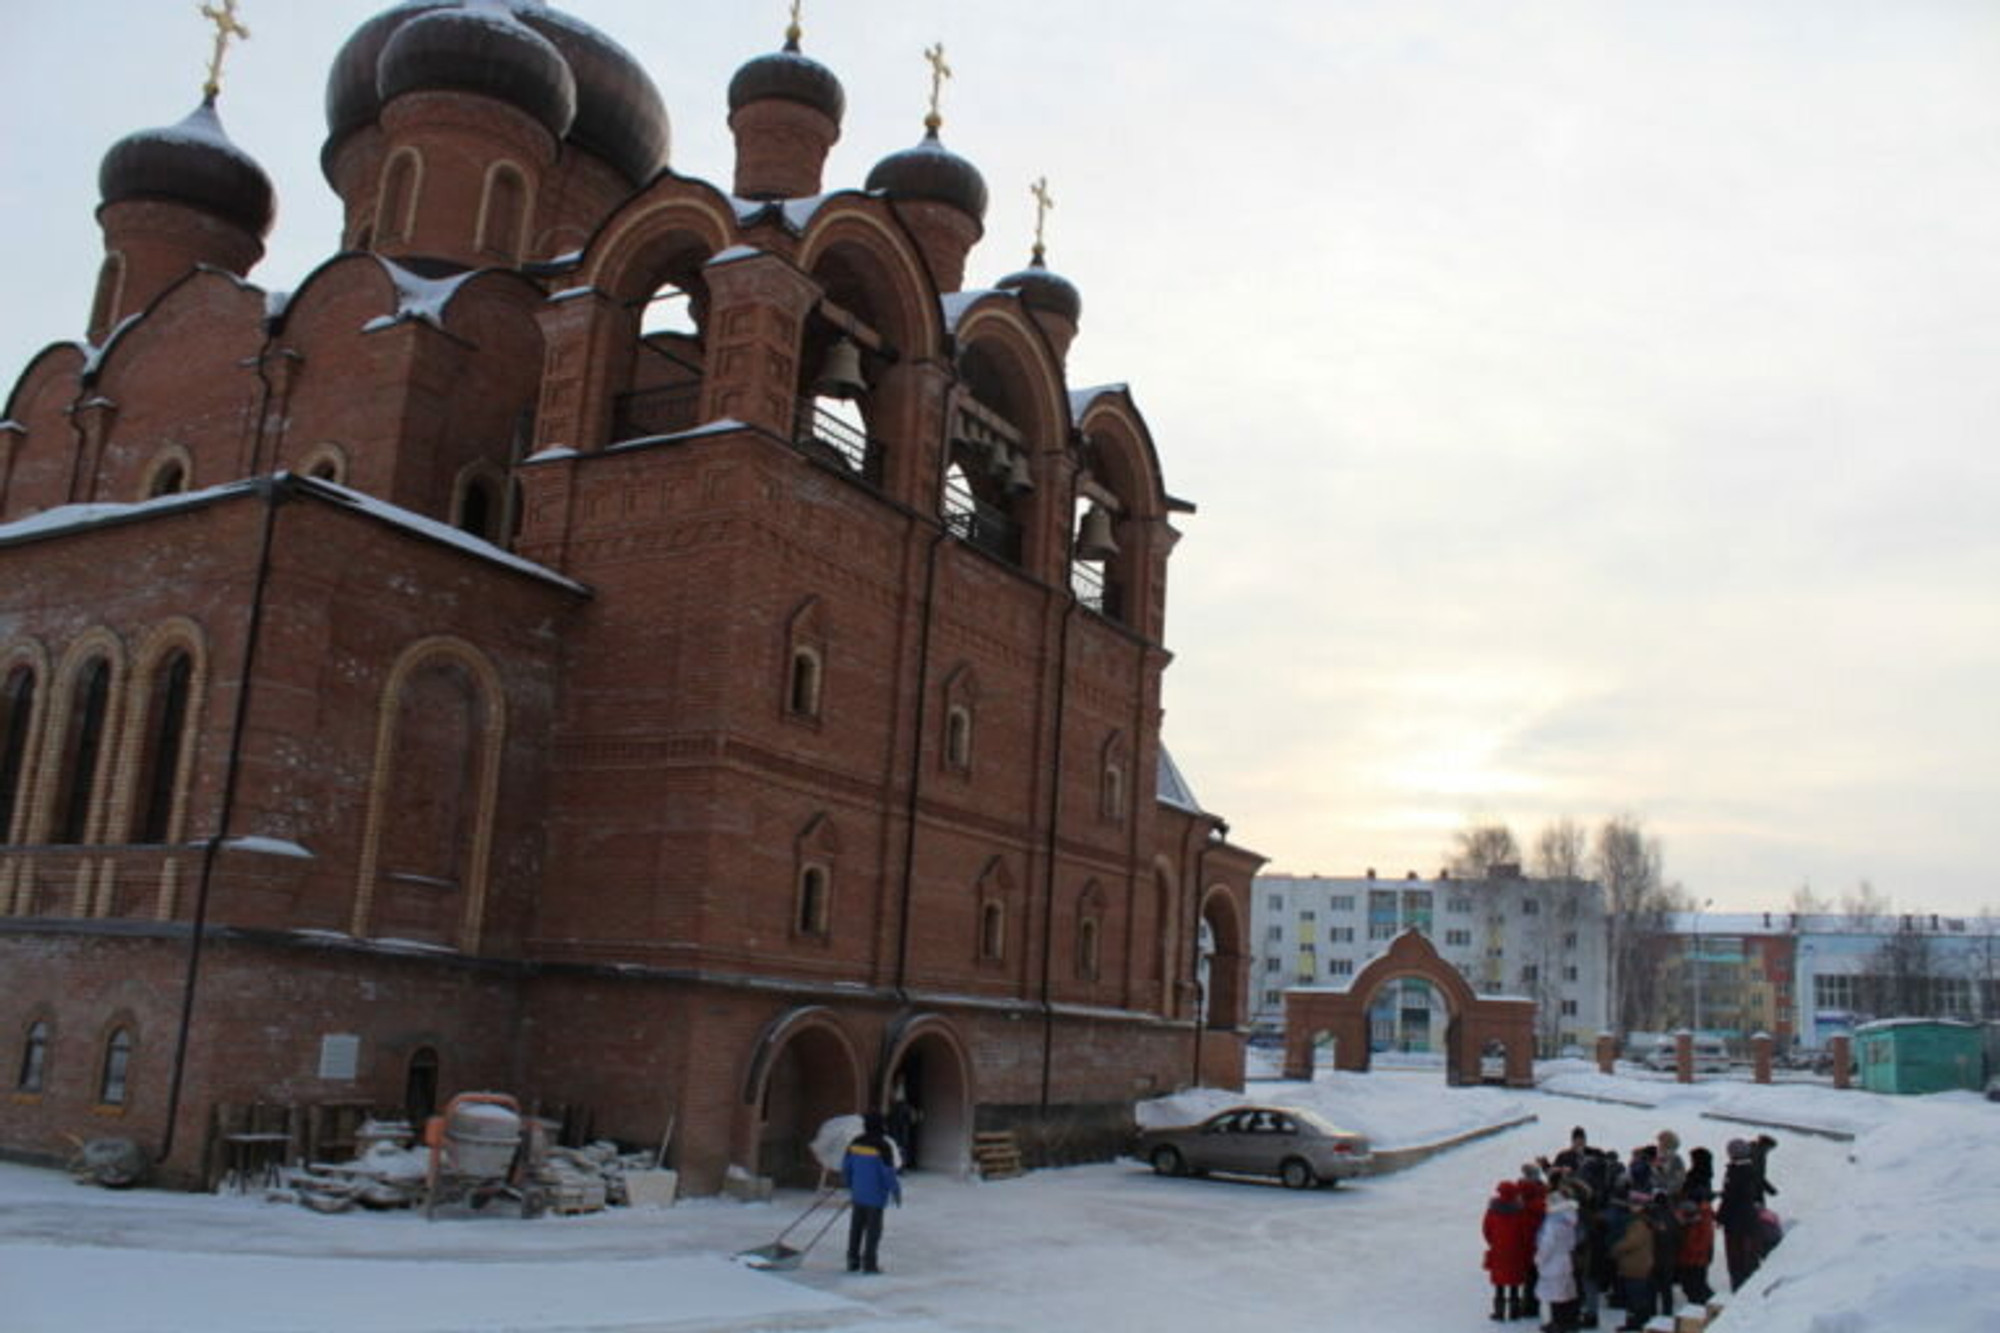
1633, 1251
1742, 1198
1510, 1241
1697, 1238
870, 1172
1555, 1253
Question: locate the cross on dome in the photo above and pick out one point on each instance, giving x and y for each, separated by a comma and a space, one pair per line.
1044, 203
939, 73
226, 26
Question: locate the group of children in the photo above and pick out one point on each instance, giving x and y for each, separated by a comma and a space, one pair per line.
1587, 1226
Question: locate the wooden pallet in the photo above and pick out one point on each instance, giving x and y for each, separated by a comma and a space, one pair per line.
996, 1155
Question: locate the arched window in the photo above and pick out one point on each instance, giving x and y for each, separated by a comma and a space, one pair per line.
802, 686
992, 931
83, 741
434, 787
110, 290
169, 478
17, 711
503, 214
1086, 949
111, 1085
958, 738
395, 213
160, 762
815, 901
476, 509
420, 1086
1111, 782
34, 1058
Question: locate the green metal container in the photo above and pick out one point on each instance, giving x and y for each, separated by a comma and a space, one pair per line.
1917, 1055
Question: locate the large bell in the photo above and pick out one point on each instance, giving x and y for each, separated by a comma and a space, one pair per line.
840, 375
1094, 541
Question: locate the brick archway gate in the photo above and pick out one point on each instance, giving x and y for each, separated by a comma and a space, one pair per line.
1475, 1020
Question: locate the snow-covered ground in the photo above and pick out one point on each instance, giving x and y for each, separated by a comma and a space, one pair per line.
1898, 1229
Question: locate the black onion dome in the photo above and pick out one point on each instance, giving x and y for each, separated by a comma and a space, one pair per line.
619, 115
191, 163
485, 50
932, 171
1039, 289
791, 76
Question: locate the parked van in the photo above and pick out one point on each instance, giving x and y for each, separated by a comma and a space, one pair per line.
1710, 1055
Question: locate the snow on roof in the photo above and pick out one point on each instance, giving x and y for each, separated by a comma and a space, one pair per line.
201, 126
732, 255
720, 426
436, 531
269, 847
418, 297
1171, 788
93, 353
1081, 399
797, 213
67, 518
955, 304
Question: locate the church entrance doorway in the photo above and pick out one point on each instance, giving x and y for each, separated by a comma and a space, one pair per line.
927, 1098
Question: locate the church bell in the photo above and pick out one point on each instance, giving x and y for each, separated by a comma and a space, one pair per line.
1020, 477
1094, 541
840, 374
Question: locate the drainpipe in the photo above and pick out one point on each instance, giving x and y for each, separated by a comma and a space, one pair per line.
924, 622
274, 491
1055, 798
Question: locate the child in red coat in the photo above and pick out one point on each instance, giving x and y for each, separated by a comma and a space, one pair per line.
1510, 1249
1697, 1248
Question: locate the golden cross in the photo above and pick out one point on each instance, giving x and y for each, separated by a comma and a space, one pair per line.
793, 33
1044, 202
939, 73
226, 27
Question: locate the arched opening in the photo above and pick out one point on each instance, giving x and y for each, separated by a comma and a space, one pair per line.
34, 1058
992, 931
928, 1102
668, 304
169, 478
958, 738
165, 737
478, 509
17, 712
110, 291
846, 351
815, 900
1408, 1017
420, 1086
810, 1079
1220, 963
802, 684
396, 207
83, 743
1325, 1051
503, 213
432, 802
990, 476
112, 1078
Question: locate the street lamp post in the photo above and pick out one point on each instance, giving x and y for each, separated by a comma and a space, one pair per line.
1706, 903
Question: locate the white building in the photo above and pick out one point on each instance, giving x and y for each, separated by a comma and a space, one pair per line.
1506, 934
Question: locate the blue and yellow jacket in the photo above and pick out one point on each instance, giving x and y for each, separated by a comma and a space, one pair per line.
870, 1172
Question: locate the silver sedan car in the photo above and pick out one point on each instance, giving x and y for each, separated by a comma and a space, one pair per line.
1297, 1146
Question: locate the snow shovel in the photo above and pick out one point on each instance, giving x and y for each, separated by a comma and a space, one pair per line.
778, 1256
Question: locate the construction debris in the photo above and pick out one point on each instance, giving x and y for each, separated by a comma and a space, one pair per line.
113, 1163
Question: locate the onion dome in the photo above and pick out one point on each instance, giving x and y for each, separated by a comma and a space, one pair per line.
619, 115
788, 75
192, 163
932, 171
482, 49
1039, 289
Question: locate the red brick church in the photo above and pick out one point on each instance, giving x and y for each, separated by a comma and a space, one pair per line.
659, 648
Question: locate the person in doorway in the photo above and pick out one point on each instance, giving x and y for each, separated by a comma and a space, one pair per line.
869, 1169
901, 1123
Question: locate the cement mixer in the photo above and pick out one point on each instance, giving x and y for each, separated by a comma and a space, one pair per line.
482, 1149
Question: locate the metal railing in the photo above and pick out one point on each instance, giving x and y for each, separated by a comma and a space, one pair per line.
825, 436
977, 523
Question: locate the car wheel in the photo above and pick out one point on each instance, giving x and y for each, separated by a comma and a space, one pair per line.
1297, 1174
1167, 1160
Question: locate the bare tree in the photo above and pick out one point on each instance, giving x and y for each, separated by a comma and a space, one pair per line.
1865, 907
1895, 982
1637, 902
1477, 848
1562, 851
1807, 903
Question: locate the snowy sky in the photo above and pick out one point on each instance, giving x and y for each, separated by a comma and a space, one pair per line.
1590, 403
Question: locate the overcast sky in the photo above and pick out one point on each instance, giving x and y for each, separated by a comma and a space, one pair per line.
1591, 405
